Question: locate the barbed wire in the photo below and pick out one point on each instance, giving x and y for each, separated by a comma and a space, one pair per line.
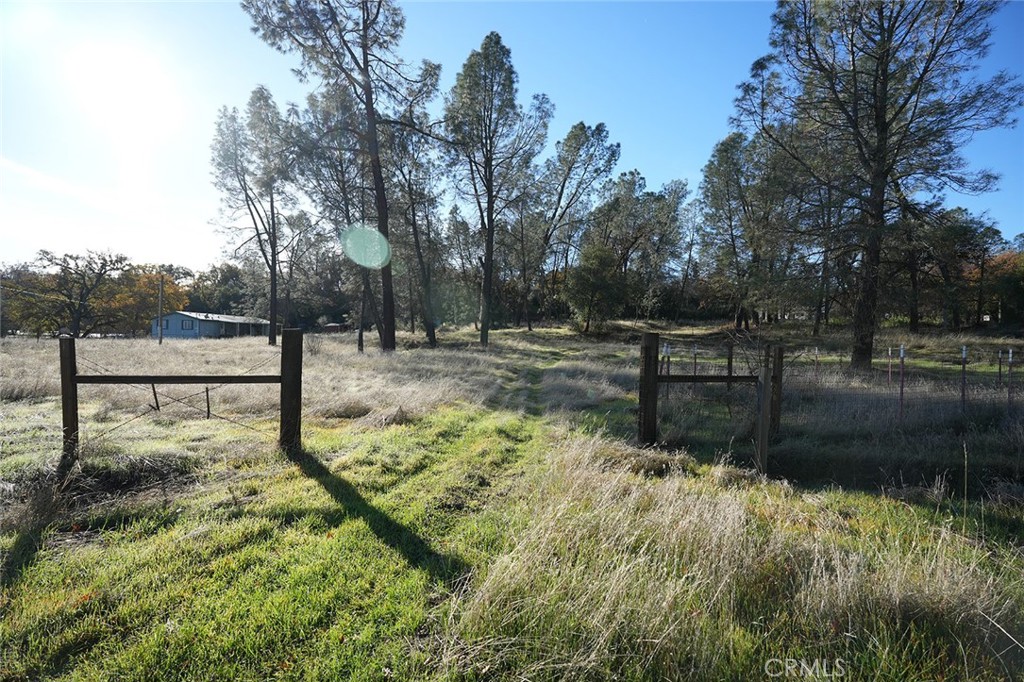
213, 414
36, 294
937, 389
95, 366
104, 434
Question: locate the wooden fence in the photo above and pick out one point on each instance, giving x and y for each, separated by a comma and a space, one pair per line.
290, 379
769, 393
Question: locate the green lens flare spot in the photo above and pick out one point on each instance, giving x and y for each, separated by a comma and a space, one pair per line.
366, 246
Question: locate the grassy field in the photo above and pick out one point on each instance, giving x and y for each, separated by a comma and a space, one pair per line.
465, 514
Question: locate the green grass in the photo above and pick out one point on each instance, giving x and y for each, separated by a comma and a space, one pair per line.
480, 515
328, 564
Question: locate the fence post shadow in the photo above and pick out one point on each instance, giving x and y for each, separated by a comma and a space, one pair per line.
22, 554
416, 551
41, 511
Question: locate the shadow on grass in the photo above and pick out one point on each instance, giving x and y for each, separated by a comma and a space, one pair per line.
416, 551
64, 508
22, 554
38, 513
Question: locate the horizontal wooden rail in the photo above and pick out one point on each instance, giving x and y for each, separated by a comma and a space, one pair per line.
768, 383
290, 380
178, 379
706, 379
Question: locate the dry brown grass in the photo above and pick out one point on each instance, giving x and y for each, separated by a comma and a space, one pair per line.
612, 562
337, 382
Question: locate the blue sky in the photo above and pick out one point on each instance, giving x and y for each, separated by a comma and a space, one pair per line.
107, 109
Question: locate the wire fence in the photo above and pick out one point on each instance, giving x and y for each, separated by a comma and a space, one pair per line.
903, 391
921, 396
90, 438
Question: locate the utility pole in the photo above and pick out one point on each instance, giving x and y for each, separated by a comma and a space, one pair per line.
160, 314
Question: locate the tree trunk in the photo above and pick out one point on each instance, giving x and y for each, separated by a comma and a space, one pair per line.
272, 242
867, 302
387, 322
412, 306
686, 270
362, 319
526, 311
979, 312
487, 287
915, 301
272, 332
369, 298
819, 309
427, 293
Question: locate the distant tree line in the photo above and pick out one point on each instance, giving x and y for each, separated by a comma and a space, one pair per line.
825, 203
965, 275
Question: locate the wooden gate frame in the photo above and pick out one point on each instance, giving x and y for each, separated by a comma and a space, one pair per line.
290, 379
769, 393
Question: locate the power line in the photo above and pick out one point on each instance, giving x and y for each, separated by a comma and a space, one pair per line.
38, 295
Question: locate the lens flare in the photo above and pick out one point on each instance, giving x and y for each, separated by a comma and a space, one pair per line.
366, 246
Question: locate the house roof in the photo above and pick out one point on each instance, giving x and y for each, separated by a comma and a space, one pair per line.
212, 317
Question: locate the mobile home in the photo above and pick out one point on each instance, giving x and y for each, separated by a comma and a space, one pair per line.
184, 325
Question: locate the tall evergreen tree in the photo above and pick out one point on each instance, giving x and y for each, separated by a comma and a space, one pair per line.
493, 143
351, 43
893, 83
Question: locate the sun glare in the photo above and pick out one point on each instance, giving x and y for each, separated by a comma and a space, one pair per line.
27, 21
124, 91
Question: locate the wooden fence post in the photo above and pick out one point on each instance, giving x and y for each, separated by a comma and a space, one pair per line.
776, 411
648, 414
728, 368
68, 402
764, 419
963, 380
291, 391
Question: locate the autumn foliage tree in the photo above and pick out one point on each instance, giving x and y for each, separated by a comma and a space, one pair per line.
76, 289
89, 293
136, 298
